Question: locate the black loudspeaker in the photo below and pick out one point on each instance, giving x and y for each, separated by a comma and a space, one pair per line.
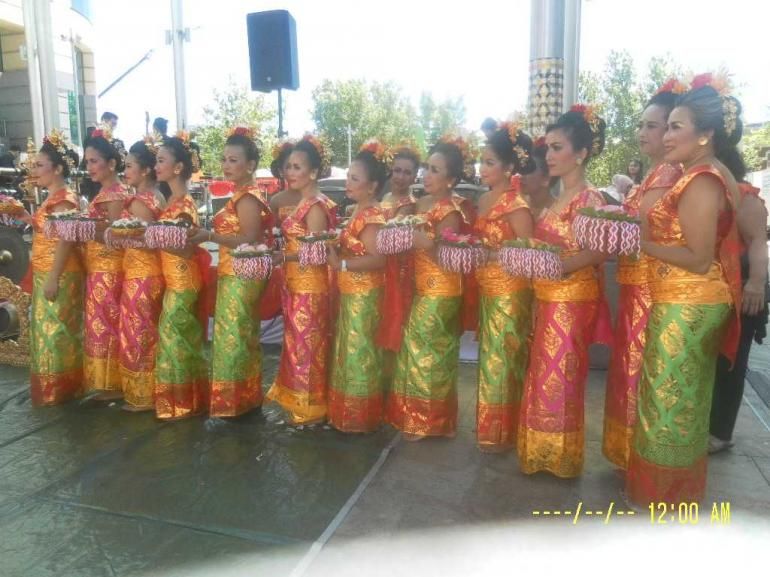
273, 50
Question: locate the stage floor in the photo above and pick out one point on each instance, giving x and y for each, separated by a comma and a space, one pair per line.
89, 490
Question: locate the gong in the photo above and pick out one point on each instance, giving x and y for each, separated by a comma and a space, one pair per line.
14, 255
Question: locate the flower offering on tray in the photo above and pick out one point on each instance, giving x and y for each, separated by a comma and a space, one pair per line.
313, 247
167, 234
531, 258
126, 233
397, 235
62, 225
85, 227
252, 262
607, 229
460, 252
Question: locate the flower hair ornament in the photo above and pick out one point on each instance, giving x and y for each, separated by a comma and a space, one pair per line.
152, 144
672, 85
465, 146
280, 147
58, 140
468, 151
513, 130
323, 152
184, 136
105, 131
407, 148
380, 151
246, 132
594, 123
539, 142
720, 82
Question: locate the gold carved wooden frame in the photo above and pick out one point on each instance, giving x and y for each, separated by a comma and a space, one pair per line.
15, 352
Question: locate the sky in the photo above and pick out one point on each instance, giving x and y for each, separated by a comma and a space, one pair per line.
479, 51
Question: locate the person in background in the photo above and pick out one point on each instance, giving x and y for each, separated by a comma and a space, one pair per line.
399, 269
621, 186
635, 171
489, 127
729, 382
536, 185
160, 128
110, 119
10, 159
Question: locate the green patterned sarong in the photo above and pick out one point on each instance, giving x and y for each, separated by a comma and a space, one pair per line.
236, 382
355, 389
423, 397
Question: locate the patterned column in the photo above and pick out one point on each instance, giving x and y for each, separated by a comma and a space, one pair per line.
546, 92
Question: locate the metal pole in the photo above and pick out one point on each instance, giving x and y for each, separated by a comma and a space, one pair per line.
33, 71
546, 63
571, 52
350, 145
280, 114
126, 73
178, 35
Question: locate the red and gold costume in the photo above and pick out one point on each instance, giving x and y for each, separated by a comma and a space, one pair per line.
181, 375
104, 285
56, 328
302, 381
633, 310
236, 385
141, 303
399, 286
692, 317
551, 428
504, 328
355, 387
423, 397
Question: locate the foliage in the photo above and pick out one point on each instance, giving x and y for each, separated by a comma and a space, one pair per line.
371, 110
620, 97
379, 110
439, 118
234, 105
754, 146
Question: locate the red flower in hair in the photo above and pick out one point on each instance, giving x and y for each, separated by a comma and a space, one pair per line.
98, 133
539, 142
672, 85
244, 131
581, 108
701, 80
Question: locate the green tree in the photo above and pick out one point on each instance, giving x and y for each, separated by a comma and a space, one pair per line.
754, 146
620, 97
371, 110
438, 118
234, 105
